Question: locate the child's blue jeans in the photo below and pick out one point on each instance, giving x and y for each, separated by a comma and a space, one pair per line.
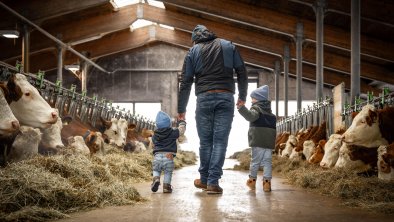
261, 156
163, 164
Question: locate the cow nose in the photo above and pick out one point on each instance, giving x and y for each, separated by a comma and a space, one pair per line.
54, 115
15, 124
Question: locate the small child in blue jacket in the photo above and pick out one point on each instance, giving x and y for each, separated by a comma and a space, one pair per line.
165, 148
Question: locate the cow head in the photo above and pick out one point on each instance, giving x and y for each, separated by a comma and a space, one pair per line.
51, 136
116, 131
364, 130
8, 123
331, 151
318, 153
28, 105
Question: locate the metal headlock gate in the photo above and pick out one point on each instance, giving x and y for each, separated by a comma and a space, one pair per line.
76, 104
386, 98
311, 116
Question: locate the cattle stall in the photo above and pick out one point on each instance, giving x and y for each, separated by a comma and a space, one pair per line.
73, 104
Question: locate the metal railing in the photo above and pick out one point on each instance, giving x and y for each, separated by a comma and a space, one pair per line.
69, 102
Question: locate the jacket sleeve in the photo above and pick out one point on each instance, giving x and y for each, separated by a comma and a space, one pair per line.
186, 83
242, 76
250, 115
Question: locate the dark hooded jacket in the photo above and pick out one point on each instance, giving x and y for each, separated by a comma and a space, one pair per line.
210, 63
262, 129
164, 140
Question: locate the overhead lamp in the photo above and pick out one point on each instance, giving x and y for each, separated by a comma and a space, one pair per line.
76, 69
11, 34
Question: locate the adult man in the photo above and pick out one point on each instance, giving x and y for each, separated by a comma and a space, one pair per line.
210, 62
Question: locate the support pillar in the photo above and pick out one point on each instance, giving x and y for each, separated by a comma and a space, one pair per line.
355, 51
26, 49
286, 60
277, 73
84, 68
60, 52
299, 40
319, 8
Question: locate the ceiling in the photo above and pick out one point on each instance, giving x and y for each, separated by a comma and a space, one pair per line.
260, 29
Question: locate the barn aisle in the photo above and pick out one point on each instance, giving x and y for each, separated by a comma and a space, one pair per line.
186, 203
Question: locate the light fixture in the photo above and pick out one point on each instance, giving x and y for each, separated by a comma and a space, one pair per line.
74, 69
11, 34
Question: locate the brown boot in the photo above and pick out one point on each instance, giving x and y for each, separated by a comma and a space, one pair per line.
214, 189
167, 188
251, 183
199, 185
266, 185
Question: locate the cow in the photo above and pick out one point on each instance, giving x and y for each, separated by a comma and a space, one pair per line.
95, 142
291, 143
77, 145
357, 158
280, 139
371, 127
331, 151
386, 162
116, 131
8, 122
51, 141
27, 104
318, 153
25, 144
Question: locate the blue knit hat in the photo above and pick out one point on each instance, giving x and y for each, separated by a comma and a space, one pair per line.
163, 120
197, 31
261, 93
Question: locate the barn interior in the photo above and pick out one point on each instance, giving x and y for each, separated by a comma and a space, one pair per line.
132, 51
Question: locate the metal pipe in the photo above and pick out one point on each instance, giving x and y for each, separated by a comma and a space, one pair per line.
286, 59
53, 38
320, 6
26, 49
299, 39
355, 55
277, 72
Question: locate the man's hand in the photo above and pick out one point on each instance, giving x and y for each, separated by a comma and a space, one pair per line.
181, 116
240, 103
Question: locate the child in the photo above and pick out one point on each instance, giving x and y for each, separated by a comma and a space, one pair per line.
164, 151
261, 136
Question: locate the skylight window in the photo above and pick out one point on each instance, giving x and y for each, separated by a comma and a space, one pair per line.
156, 4
140, 23
122, 3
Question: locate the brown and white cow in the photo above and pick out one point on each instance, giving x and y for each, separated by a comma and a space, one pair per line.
8, 122
51, 141
386, 162
331, 151
25, 144
318, 153
291, 143
77, 145
27, 104
371, 127
357, 158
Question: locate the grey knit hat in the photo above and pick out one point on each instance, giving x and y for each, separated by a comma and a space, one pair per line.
261, 93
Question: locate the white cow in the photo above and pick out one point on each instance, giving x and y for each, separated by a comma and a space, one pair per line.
28, 105
308, 148
331, 151
78, 145
51, 136
25, 144
8, 122
345, 161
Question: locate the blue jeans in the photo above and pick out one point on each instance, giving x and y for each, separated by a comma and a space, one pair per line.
162, 163
261, 156
214, 116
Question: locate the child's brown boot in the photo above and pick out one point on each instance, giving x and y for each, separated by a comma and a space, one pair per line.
167, 188
251, 183
266, 185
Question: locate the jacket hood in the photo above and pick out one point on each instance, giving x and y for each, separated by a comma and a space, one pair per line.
201, 34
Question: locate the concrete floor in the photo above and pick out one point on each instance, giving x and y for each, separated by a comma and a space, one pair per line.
237, 203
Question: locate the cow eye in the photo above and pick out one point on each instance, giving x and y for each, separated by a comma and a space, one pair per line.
115, 132
27, 94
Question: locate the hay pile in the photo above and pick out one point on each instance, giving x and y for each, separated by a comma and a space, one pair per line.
366, 192
44, 188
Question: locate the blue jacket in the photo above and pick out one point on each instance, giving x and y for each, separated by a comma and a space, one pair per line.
210, 64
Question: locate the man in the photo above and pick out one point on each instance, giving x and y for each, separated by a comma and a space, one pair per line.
210, 63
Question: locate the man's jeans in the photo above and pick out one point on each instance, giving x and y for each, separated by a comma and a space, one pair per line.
214, 116
162, 163
261, 156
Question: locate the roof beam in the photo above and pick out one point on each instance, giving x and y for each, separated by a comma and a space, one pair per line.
117, 42
284, 24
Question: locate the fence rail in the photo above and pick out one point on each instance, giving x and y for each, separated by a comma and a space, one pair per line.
70, 102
